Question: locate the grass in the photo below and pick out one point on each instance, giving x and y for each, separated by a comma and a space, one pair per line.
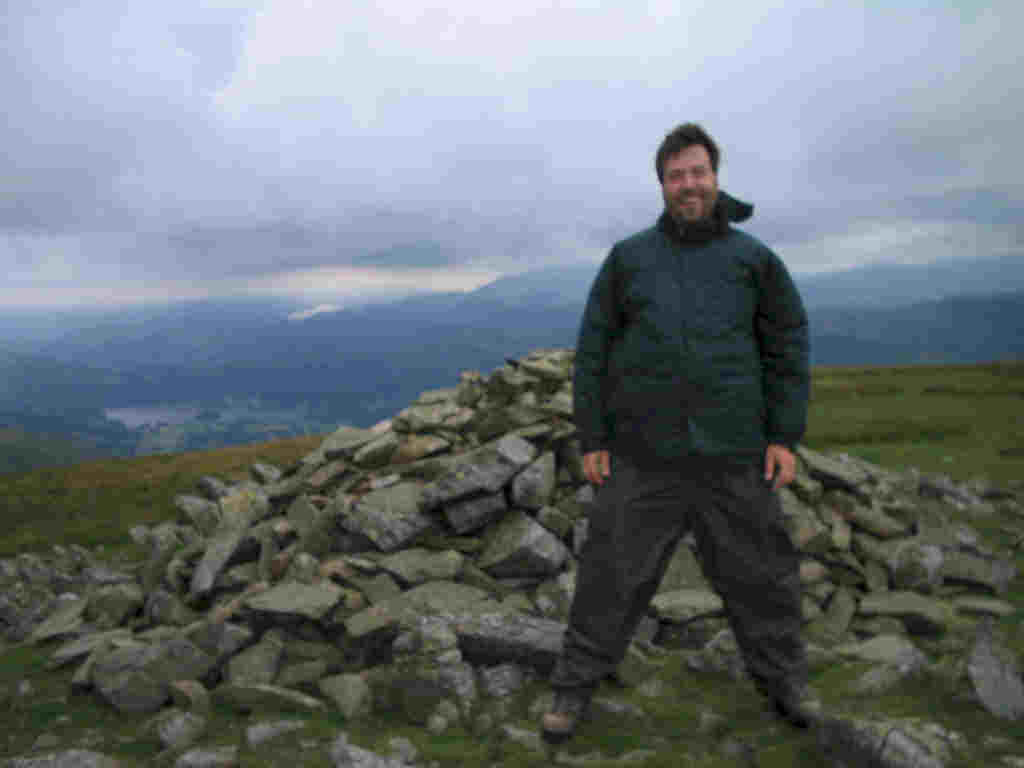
964, 421
95, 502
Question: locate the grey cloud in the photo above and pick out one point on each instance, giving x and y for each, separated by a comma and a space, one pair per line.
216, 140
97, 93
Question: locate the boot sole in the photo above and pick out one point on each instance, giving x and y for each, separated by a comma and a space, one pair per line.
555, 738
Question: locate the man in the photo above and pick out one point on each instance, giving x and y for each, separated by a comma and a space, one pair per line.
690, 393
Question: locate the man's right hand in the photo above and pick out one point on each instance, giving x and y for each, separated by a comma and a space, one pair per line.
597, 466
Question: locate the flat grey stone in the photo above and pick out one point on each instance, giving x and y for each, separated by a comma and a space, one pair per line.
202, 513
258, 663
220, 639
265, 473
495, 421
683, 605
177, 729
942, 487
520, 546
502, 680
475, 512
529, 739
300, 674
345, 755
883, 743
260, 698
432, 597
882, 678
806, 531
549, 367
214, 757
219, 549
350, 693
417, 565
553, 597
243, 507
996, 678
446, 414
920, 614
495, 638
313, 601
895, 650
260, 733
835, 621
559, 404
321, 477
135, 678
115, 603
302, 514
377, 452
66, 620
376, 588
415, 447
976, 605
483, 471
344, 441
212, 488
873, 519
532, 488
833, 473
683, 572
389, 517
81, 647
190, 695
916, 564
993, 574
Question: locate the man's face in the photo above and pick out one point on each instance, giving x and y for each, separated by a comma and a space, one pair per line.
689, 185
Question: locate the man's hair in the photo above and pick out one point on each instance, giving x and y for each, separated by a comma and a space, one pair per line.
681, 137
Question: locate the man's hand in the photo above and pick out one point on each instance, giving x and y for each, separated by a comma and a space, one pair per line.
781, 458
596, 466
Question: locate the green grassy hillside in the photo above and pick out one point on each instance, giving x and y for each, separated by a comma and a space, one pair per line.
960, 420
96, 502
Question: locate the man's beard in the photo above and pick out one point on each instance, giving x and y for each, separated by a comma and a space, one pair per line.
702, 230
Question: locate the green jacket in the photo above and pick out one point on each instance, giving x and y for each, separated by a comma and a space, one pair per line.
692, 346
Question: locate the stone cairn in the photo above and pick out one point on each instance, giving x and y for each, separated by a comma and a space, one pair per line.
426, 566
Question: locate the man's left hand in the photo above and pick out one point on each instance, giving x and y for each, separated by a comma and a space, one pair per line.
780, 458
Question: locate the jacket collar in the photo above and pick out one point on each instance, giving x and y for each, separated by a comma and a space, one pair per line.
727, 209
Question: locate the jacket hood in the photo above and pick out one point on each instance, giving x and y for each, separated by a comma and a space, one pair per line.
733, 209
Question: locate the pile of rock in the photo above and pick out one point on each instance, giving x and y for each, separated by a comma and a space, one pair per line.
426, 565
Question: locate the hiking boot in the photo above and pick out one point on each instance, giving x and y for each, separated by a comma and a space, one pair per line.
570, 707
799, 706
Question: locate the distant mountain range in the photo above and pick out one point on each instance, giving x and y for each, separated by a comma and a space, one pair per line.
875, 285
363, 364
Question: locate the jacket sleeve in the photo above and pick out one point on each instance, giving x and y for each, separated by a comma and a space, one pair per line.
784, 341
600, 324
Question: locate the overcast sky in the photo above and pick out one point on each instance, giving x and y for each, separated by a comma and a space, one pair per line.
336, 150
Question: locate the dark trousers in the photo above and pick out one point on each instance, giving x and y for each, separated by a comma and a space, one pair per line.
637, 519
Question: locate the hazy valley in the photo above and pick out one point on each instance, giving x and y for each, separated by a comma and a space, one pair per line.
200, 375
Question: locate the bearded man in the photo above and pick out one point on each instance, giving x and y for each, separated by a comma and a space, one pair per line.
690, 392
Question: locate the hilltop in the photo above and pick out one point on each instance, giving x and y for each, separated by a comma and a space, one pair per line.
399, 591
